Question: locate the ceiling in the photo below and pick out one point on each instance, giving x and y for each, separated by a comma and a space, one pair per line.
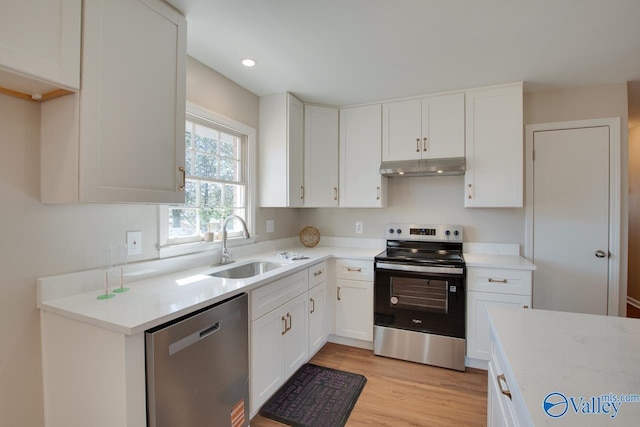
347, 52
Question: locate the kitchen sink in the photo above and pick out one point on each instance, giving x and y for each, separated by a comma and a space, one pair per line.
244, 271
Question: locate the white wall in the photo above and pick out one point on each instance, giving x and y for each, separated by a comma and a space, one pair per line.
429, 200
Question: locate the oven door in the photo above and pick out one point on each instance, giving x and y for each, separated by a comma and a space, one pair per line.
432, 302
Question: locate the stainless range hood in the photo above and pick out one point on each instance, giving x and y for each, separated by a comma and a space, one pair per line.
423, 167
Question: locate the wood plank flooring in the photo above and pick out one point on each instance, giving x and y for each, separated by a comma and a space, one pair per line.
399, 394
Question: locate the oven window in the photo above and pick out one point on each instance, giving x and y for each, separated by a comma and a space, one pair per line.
419, 294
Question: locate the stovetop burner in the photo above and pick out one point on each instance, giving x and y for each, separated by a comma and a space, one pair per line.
423, 245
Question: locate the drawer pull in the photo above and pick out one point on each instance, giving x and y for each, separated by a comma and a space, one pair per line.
313, 305
290, 322
497, 280
354, 269
338, 289
504, 390
284, 330
317, 273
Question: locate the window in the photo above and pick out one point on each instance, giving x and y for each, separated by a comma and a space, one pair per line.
217, 180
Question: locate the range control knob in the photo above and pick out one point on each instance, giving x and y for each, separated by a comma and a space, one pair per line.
447, 232
391, 231
399, 231
456, 233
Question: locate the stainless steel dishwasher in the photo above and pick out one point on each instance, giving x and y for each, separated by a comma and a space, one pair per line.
198, 368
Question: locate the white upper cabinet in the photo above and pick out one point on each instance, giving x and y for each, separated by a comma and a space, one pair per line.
39, 46
494, 147
361, 184
427, 128
320, 156
281, 151
121, 138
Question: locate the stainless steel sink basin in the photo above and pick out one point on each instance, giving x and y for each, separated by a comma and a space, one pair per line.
244, 271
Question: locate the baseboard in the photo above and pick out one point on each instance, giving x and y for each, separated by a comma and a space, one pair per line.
634, 302
351, 342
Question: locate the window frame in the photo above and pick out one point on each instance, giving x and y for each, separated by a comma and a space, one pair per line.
203, 115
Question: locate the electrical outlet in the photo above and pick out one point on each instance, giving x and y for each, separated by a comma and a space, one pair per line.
359, 227
134, 242
270, 226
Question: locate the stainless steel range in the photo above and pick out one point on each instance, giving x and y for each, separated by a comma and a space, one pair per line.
420, 298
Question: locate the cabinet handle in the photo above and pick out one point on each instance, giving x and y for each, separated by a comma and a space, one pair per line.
354, 269
504, 390
377, 193
284, 331
290, 322
317, 273
339, 293
183, 172
313, 305
469, 193
425, 145
497, 280
417, 145
525, 306
302, 192
335, 193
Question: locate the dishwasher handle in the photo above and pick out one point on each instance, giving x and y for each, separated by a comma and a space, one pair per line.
193, 338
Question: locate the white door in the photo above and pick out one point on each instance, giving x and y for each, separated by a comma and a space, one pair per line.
571, 219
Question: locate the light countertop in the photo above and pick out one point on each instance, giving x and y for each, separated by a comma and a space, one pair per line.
154, 301
577, 355
512, 262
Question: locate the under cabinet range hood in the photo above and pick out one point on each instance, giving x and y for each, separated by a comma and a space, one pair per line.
423, 167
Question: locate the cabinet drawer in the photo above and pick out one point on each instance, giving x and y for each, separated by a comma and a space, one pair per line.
498, 280
273, 295
354, 269
317, 274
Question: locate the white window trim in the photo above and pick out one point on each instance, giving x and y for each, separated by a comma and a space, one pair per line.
164, 250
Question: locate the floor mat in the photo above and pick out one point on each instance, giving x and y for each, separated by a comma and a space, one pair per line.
315, 396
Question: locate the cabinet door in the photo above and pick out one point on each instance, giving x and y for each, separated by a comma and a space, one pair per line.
401, 130
295, 151
320, 157
361, 184
443, 126
281, 151
317, 314
267, 357
132, 106
40, 45
497, 414
354, 309
296, 338
478, 332
494, 147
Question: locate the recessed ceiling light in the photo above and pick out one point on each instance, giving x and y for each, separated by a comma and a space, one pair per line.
248, 62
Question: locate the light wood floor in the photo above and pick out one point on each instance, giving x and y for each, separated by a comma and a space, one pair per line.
399, 394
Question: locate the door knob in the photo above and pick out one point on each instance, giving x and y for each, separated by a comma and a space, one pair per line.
601, 254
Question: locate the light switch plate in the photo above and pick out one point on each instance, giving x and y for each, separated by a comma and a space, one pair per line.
270, 226
134, 242
359, 227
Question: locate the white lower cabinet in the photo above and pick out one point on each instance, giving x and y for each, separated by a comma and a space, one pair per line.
354, 299
499, 410
487, 287
279, 346
317, 318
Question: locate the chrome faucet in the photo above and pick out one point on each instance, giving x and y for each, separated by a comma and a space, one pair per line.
225, 257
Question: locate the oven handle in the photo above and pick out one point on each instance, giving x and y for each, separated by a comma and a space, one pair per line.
419, 268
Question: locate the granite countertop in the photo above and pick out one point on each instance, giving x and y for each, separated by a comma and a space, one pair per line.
585, 358
154, 301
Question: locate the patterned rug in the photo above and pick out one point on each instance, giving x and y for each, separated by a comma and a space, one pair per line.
315, 396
